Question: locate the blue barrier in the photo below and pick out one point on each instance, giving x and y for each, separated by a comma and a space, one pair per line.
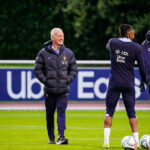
90, 84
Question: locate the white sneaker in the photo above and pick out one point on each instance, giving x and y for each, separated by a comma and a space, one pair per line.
62, 140
106, 145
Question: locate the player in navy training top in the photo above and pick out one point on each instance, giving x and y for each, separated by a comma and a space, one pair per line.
123, 54
146, 54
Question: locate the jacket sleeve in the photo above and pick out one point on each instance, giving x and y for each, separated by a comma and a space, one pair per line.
39, 68
140, 61
72, 69
108, 44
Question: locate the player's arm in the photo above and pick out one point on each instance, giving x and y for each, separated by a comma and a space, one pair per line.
140, 61
39, 68
72, 69
108, 44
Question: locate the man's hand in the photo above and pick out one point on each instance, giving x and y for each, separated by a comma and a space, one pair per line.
142, 87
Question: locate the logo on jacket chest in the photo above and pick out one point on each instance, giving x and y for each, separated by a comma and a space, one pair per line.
121, 56
64, 61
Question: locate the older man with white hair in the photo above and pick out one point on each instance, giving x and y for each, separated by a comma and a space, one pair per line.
56, 68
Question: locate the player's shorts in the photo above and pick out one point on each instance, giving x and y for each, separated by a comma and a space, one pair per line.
113, 95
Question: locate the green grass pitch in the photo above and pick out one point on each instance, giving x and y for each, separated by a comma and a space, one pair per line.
26, 130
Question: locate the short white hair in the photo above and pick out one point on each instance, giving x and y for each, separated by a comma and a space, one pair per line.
52, 33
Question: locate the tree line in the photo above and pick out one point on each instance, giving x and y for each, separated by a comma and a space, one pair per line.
87, 25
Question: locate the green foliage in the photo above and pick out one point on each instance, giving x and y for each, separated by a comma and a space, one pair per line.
87, 24
134, 12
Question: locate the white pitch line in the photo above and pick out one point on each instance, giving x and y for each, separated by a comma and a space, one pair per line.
44, 127
69, 108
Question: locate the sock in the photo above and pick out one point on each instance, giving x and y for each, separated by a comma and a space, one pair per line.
106, 135
136, 136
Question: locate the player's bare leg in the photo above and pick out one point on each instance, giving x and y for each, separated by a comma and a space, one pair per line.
107, 122
134, 124
134, 128
107, 126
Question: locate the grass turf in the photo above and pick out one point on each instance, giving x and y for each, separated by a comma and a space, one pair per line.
26, 130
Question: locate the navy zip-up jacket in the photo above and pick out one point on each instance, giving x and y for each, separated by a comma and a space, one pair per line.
55, 71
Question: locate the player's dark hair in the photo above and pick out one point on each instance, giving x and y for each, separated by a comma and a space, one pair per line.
124, 29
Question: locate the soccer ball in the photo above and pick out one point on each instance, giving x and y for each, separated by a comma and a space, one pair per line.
145, 142
129, 143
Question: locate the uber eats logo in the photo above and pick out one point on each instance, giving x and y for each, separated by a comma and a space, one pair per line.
24, 87
90, 86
